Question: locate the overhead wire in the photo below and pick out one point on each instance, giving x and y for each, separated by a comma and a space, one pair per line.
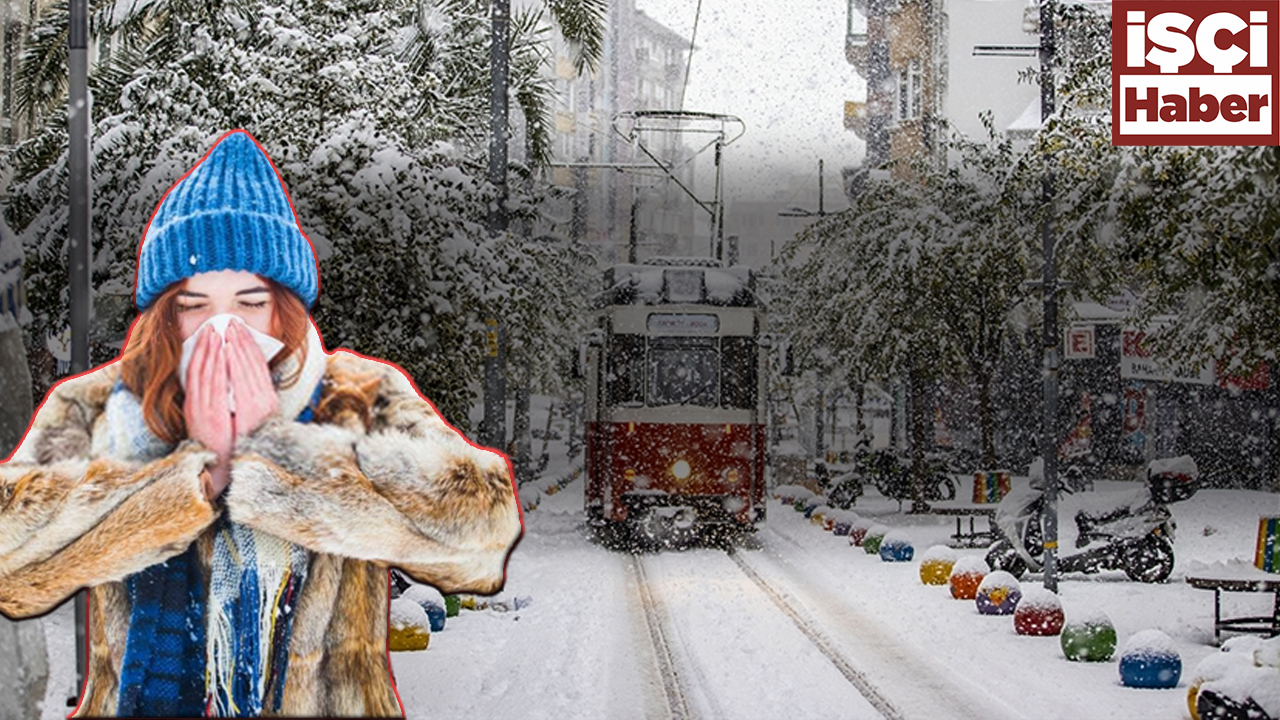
693, 38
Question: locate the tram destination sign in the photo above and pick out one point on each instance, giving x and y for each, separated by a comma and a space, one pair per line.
683, 324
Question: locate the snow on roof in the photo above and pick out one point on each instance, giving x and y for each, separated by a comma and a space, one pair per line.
1029, 120
692, 282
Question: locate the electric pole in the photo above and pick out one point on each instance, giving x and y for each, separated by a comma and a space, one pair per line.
494, 431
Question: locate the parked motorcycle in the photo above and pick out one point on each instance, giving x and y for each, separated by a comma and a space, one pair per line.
1135, 535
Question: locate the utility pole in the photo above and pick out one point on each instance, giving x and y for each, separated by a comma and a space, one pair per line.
495, 391
1049, 435
79, 247
1049, 287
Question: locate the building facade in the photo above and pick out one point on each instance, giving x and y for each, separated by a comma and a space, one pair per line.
926, 77
609, 177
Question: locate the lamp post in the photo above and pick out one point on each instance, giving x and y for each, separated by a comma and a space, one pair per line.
79, 248
1049, 287
494, 429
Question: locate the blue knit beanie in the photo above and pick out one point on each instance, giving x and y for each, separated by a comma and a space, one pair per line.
231, 212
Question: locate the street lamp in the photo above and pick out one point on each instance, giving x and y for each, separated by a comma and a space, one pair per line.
1049, 287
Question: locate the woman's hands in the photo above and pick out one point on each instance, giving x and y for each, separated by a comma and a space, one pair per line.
205, 407
256, 398
214, 369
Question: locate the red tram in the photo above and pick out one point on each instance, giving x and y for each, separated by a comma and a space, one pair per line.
675, 435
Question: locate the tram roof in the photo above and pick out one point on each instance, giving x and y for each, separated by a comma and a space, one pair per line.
699, 284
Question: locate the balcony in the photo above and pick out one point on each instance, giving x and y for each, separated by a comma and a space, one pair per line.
855, 51
855, 117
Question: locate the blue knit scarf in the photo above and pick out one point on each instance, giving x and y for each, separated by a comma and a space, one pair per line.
167, 669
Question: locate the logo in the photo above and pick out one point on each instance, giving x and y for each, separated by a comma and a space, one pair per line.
1191, 72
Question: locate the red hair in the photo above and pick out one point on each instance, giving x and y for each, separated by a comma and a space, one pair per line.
150, 360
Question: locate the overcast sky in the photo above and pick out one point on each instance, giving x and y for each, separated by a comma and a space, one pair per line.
780, 67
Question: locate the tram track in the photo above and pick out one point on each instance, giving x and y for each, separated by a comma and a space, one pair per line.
810, 630
677, 669
672, 686
889, 666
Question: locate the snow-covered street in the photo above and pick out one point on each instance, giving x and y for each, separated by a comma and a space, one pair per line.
797, 623
792, 622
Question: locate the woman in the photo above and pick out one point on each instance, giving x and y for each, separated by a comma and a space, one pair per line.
232, 494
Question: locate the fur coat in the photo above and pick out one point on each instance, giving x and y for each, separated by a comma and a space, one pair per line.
378, 480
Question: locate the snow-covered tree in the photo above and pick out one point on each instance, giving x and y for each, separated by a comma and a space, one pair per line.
375, 112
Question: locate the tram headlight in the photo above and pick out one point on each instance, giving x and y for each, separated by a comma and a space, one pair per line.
681, 470
731, 476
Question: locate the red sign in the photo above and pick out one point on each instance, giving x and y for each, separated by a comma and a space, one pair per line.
1079, 344
1195, 72
1259, 379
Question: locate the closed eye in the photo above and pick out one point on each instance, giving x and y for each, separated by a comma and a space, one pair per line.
253, 305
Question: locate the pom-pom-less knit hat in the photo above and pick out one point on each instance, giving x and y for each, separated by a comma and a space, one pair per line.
231, 212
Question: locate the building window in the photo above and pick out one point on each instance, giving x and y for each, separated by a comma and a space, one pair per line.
910, 91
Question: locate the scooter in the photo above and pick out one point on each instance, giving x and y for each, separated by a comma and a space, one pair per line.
1135, 535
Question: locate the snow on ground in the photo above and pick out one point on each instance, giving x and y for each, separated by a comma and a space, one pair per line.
582, 648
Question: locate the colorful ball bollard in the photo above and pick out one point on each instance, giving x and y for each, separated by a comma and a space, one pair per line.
841, 527
818, 515
410, 629
966, 577
810, 507
1039, 613
1091, 638
998, 594
875, 535
896, 547
1150, 661
858, 531
936, 564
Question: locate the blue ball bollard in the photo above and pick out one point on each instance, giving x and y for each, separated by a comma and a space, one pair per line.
1150, 661
896, 547
435, 615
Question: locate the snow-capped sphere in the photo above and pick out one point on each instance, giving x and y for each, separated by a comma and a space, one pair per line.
410, 627
858, 531
936, 564
803, 496
818, 515
1039, 612
811, 505
966, 575
896, 547
1149, 660
842, 522
431, 601
998, 594
786, 494
1242, 681
875, 535
1089, 637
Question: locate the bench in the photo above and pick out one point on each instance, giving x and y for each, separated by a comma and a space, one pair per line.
1241, 579
973, 537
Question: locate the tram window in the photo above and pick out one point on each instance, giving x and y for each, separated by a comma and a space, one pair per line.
683, 371
626, 370
738, 372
